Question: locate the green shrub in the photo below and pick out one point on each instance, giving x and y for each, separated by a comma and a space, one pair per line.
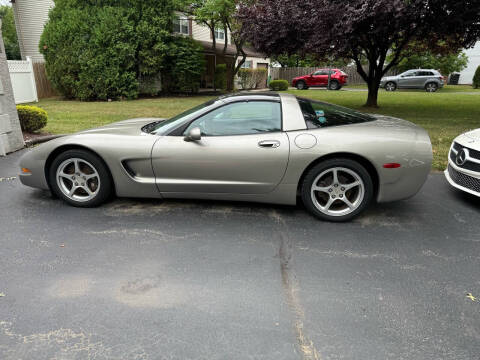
221, 77
251, 78
32, 118
184, 65
278, 85
101, 49
476, 78
90, 53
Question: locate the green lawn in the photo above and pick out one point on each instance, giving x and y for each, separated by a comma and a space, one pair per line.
443, 114
67, 116
446, 88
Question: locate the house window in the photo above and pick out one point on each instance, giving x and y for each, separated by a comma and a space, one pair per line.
248, 64
219, 34
180, 26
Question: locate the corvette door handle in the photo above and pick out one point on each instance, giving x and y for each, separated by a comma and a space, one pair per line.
269, 143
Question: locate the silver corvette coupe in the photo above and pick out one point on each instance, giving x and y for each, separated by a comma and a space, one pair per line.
263, 147
463, 171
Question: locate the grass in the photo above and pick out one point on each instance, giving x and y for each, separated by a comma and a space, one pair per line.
444, 114
68, 116
446, 88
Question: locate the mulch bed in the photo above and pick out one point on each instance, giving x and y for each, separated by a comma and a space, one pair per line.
31, 136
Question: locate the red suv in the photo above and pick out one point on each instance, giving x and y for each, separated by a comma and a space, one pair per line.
320, 78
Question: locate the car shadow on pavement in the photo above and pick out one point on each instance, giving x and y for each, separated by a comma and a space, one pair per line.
467, 199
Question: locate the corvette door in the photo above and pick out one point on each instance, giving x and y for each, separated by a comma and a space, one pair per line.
241, 150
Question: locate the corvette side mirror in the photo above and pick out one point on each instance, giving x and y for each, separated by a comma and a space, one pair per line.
194, 134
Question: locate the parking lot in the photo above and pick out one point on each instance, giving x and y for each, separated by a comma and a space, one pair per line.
148, 279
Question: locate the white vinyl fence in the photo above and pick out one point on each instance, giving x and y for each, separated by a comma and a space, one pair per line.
23, 81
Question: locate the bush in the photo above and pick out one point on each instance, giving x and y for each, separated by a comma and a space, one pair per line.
90, 53
101, 49
278, 85
32, 118
251, 78
476, 78
184, 65
221, 77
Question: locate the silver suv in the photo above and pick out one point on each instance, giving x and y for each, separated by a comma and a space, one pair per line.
428, 79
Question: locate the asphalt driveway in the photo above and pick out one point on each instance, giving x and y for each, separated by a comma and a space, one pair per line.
139, 279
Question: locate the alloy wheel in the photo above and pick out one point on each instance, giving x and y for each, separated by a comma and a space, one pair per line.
431, 87
333, 85
337, 191
390, 86
78, 179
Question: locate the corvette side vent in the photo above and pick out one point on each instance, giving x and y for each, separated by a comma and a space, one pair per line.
128, 169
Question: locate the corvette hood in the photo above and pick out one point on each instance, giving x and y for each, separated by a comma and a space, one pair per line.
125, 127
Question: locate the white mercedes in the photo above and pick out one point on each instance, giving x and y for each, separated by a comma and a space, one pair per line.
463, 171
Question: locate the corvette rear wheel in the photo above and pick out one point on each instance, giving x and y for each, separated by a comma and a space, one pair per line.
337, 190
80, 178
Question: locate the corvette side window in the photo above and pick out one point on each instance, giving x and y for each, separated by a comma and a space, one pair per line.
318, 114
240, 118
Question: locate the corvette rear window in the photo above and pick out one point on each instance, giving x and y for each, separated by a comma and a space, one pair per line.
318, 114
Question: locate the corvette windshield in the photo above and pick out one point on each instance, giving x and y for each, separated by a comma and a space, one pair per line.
163, 127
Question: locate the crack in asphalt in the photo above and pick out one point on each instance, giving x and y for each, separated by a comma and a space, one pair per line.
290, 286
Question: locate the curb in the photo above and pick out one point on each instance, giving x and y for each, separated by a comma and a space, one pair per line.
41, 139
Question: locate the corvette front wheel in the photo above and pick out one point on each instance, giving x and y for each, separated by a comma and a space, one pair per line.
337, 190
80, 178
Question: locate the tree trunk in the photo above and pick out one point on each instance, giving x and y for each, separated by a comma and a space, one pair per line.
214, 47
372, 98
225, 45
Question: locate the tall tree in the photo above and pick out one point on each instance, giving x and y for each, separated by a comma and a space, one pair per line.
220, 14
9, 32
307, 60
359, 29
446, 62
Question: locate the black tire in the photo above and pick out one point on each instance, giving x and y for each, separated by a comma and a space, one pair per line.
301, 85
431, 87
334, 85
320, 168
105, 189
390, 86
